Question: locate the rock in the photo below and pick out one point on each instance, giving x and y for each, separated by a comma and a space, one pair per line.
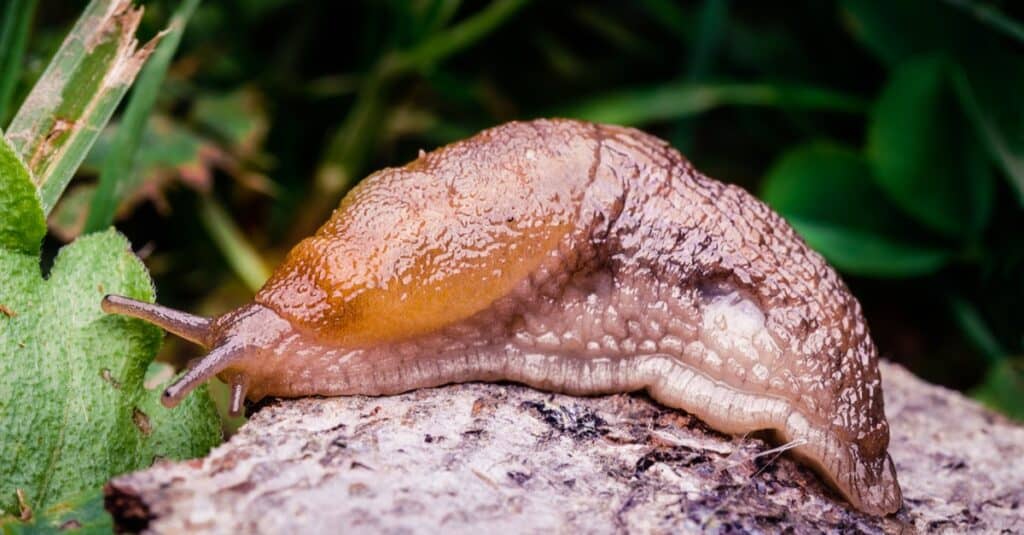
506, 458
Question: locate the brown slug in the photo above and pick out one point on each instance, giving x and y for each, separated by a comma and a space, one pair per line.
571, 257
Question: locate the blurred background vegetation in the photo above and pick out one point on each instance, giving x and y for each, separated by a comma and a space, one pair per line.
891, 134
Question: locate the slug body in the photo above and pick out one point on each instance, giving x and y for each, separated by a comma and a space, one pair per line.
572, 257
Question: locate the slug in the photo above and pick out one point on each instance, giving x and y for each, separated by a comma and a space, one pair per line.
571, 257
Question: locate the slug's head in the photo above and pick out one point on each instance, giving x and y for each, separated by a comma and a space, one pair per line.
237, 341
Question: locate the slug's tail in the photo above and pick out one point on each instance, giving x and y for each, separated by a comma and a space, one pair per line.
195, 329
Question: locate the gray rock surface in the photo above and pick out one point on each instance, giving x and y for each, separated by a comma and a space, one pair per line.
506, 458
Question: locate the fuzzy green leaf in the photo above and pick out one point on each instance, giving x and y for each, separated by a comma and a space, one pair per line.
83, 513
73, 407
72, 403
22, 225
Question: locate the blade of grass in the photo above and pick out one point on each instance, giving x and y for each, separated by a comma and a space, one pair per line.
673, 101
443, 44
238, 252
347, 153
349, 148
14, 28
441, 12
77, 93
611, 30
972, 325
116, 173
713, 18
990, 16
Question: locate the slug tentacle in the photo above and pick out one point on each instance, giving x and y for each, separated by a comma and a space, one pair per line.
188, 326
244, 334
239, 383
213, 363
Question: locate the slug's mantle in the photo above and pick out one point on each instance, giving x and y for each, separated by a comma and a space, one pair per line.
504, 458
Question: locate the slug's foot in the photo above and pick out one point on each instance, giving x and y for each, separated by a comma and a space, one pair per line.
868, 482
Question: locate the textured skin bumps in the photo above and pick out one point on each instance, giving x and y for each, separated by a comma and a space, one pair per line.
583, 259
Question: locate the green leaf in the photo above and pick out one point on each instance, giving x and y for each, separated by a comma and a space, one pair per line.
237, 118
869, 254
84, 513
72, 403
166, 147
22, 225
187, 431
676, 100
924, 154
1003, 388
76, 95
822, 190
118, 166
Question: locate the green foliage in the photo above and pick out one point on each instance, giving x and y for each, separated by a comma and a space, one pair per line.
989, 78
925, 155
234, 118
74, 406
118, 164
989, 89
245, 261
72, 101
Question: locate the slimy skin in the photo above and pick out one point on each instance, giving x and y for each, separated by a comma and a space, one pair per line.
571, 257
